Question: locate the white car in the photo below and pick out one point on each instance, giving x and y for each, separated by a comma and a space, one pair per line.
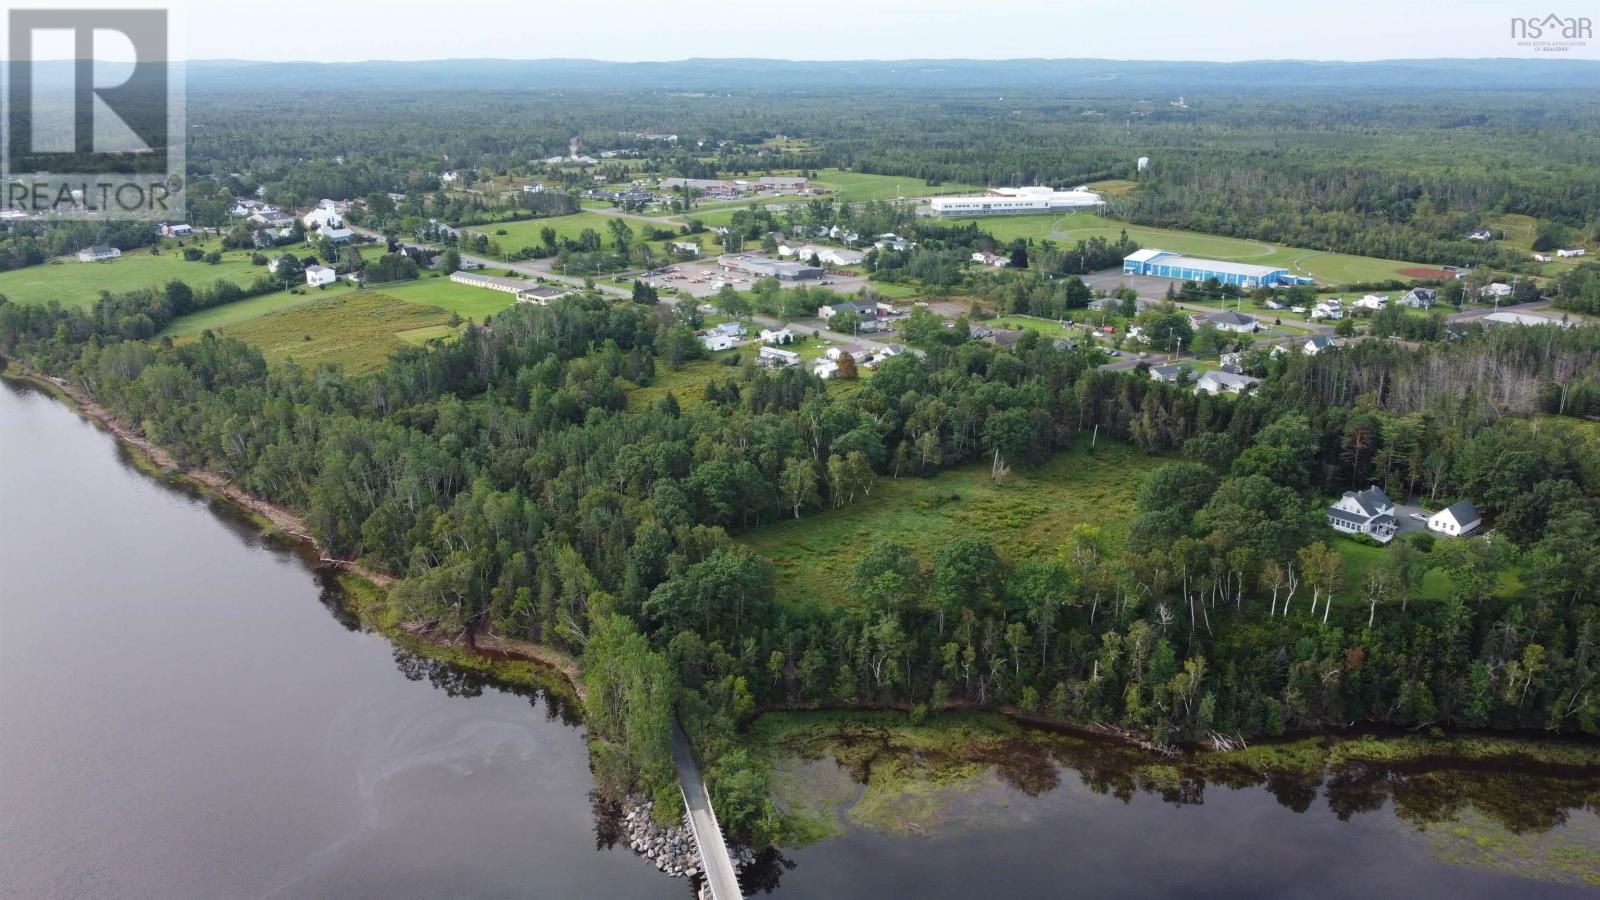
1420, 517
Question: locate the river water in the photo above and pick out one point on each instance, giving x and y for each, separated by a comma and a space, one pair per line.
187, 712
184, 714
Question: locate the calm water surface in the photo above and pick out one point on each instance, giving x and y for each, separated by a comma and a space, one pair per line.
183, 715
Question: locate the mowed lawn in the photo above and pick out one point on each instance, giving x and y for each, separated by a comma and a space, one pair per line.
355, 329
1031, 514
1333, 268
469, 302
78, 284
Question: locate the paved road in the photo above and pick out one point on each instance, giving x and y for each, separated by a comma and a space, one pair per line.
720, 873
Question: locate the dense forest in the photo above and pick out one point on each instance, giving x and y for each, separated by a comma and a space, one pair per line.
504, 480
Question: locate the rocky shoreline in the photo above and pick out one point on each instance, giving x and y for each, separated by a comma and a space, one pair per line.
671, 849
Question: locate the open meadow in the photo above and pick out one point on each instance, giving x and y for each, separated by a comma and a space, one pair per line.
79, 284
355, 329
1031, 514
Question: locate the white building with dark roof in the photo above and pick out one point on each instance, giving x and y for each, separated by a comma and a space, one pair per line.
1369, 512
1457, 519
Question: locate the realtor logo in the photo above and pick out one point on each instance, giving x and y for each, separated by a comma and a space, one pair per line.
93, 115
1552, 33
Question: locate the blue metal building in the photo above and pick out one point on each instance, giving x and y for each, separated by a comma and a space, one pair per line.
1166, 264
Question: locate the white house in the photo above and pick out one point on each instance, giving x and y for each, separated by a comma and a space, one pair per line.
1456, 519
1228, 320
686, 247
715, 341
180, 229
777, 357
824, 368
1497, 289
1571, 251
991, 259
1328, 309
1420, 298
859, 354
1373, 301
1224, 383
1541, 257
317, 276
1482, 234
98, 253
1369, 512
779, 336
449, 177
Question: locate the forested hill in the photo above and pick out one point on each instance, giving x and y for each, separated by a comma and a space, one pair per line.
1077, 76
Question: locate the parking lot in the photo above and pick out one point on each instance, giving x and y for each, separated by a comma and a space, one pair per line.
704, 278
1147, 286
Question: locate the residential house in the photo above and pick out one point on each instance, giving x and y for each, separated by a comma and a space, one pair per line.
1369, 512
777, 357
1457, 519
1481, 234
1277, 303
1227, 320
1541, 257
449, 177
1571, 251
1420, 298
888, 350
1235, 359
687, 248
337, 235
824, 368
1328, 309
317, 276
180, 229
777, 336
854, 351
892, 241
1225, 383
1004, 338
1495, 290
98, 253
1373, 302
991, 259
864, 310
1169, 374
1318, 343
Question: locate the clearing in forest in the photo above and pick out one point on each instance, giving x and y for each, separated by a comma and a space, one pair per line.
1032, 513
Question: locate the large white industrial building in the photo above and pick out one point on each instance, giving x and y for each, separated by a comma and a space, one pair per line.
1017, 201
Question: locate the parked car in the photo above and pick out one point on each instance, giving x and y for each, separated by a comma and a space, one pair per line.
1420, 517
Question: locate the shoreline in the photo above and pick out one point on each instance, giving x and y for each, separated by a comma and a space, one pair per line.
482, 652
490, 653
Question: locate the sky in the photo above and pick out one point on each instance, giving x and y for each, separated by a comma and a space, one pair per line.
634, 30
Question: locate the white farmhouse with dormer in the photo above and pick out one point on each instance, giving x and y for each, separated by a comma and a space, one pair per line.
1369, 512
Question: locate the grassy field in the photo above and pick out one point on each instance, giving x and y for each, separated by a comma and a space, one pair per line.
76, 284
688, 383
1032, 513
1327, 267
851, 187
469, 302
356, 329
1519, 233
1359, 559
218, 317
526, 232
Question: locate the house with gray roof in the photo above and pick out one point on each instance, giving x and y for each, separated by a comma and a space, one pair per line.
1456, 519
1225, 383
1168, 374
1369, 512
